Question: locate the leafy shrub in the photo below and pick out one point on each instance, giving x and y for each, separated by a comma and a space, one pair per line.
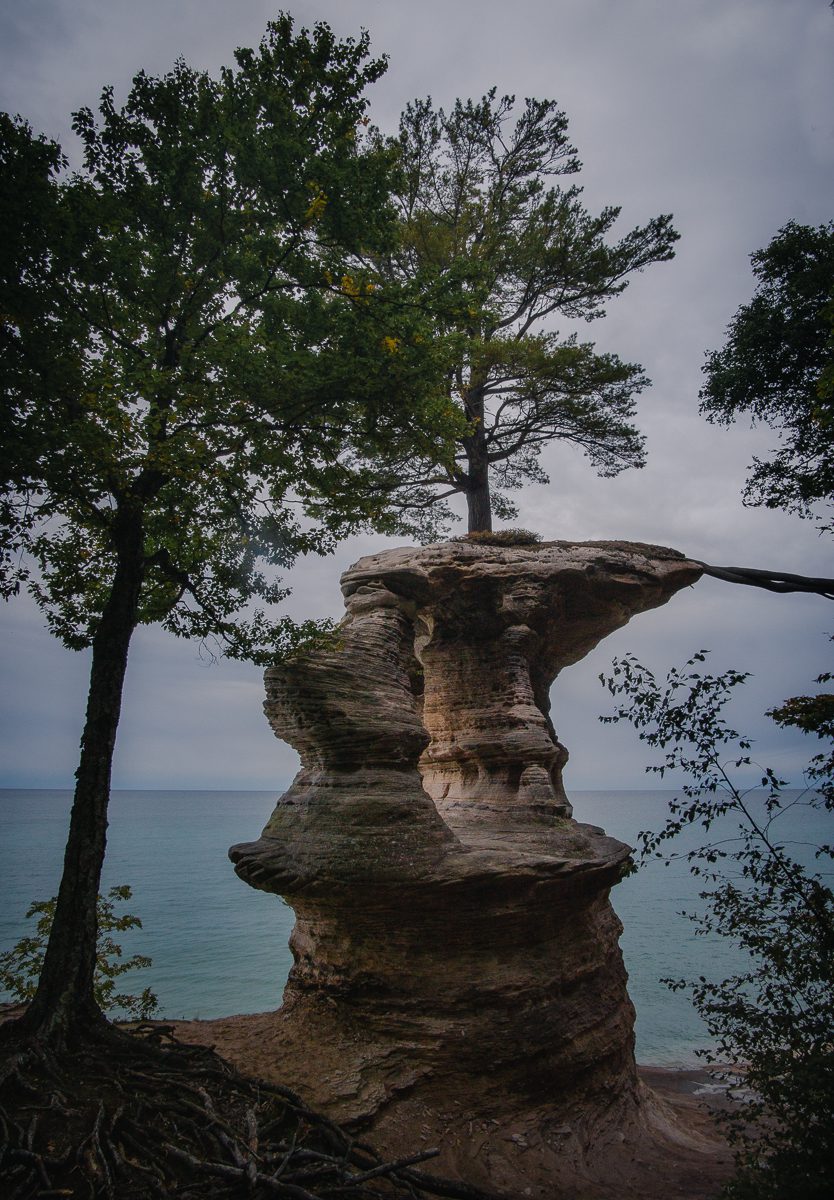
20, 967
774, 1018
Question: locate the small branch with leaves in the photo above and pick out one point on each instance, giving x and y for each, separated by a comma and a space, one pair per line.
774, 1017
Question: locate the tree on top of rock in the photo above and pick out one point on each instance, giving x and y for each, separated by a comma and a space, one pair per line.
503, 251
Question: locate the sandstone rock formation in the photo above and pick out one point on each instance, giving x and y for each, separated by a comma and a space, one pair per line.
457, 976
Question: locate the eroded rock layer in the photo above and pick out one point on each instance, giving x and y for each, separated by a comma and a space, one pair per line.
456, 955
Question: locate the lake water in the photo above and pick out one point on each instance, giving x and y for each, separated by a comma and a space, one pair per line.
220, 947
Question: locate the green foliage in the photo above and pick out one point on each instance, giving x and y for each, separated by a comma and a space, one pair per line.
20, 967
204, 374
500, 250
778, 366
775, 1017
194, 342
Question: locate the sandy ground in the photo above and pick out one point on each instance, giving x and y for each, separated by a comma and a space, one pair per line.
695, 1172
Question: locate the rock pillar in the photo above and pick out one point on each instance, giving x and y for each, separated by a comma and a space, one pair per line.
457, 974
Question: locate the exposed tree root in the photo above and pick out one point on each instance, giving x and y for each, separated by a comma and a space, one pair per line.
145, 1116
772, 581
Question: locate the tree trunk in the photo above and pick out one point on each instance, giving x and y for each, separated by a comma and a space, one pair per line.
65, 1000
478, 503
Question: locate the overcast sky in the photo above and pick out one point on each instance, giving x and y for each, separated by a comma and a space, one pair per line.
719, 111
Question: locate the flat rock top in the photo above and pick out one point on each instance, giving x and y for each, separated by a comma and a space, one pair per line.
410, 569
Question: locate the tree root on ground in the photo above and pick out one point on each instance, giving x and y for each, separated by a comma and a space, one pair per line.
145, 1117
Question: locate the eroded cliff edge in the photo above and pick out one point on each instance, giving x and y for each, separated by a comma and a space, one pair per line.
456, 956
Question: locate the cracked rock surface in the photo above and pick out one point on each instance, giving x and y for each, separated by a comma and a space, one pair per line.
456, 956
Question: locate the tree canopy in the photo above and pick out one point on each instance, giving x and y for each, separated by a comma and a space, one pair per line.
777, 365
191, 330
191, 340
502, 251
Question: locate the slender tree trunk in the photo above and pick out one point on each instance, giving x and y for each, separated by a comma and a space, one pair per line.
65, 1001
478, 502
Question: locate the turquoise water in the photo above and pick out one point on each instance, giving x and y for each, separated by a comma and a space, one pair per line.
220, 947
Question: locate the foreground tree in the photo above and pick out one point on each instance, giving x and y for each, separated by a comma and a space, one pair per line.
775, 1017
188, 337
503, 252
778, 366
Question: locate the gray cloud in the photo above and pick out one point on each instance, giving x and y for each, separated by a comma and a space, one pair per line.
721, 112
